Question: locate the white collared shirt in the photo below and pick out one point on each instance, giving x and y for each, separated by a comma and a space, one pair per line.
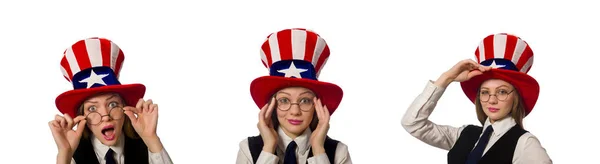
342, 155
416, 122
100, 149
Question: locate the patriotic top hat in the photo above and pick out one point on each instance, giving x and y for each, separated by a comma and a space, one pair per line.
92, 66
510, 58
294, 58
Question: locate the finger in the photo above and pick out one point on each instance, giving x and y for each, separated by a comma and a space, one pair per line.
270, 109
318, 107
146, 106
139, 104
261, 114
61, 121
326, 111
132, 109
69, 121
131, 116
79, 119
80, 127
153, 107
55, 124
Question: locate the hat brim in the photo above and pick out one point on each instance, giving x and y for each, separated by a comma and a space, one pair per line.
526, 85
263, 88
68, 102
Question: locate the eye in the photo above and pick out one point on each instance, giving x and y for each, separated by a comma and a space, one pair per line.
283, 101
305, 101
92, 108
113, 104
502, 92
485, 92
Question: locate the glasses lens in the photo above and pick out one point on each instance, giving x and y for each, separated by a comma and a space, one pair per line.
94, 118
306, 106
283, 106
116, 113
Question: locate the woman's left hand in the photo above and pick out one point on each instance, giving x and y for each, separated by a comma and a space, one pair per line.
145, 123
317, 139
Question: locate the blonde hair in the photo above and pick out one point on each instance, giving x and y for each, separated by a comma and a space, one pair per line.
517, 111
127, 127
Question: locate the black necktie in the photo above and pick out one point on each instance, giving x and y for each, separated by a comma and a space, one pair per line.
476, 154
290, 154
109, 157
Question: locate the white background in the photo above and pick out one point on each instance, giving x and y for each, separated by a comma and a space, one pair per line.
197, 61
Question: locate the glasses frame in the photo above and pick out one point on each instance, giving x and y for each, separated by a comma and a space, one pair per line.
291, 104
102, 116
495, 94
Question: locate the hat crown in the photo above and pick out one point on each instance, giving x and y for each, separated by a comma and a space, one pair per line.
300, 49
505, 51
90, 53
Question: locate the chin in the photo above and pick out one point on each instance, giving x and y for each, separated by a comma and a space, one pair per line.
296, 129
497, 116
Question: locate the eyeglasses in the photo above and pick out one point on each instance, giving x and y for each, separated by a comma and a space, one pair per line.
501, 95
305, 104
94, 118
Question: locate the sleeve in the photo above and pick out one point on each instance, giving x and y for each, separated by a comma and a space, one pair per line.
161, 157
415, 121
73, 161
342, 156
529, 150
244, 156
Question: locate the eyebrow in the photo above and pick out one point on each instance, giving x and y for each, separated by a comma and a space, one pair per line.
496, 87
90, 101
299, 94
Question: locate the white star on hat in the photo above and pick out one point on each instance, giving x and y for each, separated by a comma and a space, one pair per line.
292, 71
496, 66
94, 79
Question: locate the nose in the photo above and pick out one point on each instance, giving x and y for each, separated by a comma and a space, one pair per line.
295, 109
106, 115
493, 99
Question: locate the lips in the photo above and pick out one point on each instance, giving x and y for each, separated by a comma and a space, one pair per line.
493, 110
294, 121
108, 132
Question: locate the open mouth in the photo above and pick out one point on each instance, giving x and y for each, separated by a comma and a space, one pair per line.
108, 132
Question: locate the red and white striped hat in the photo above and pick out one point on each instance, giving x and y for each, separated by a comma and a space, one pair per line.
295, 58
92, 66
511, 58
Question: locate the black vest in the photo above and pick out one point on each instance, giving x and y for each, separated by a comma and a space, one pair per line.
256, 144
135, 151
500, 153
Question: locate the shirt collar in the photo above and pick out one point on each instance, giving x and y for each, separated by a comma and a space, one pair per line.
500, 126
101, 149
302, 141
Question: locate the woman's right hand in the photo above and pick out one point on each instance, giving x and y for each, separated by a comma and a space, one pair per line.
65, 137
265, 126
462, 71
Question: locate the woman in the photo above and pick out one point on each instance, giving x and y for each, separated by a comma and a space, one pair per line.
503, 94
99, 106
295, 106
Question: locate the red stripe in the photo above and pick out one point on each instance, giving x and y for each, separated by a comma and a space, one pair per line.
477, 55
284, 39
267, 50
81, 55
527, 53
511, 44
119, 63
65, 64
263, 62
105, 49
321, 60
488, 44
311, 42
